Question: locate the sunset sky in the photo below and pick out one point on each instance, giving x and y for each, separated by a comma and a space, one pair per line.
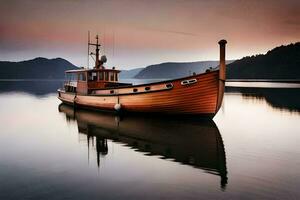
139, 33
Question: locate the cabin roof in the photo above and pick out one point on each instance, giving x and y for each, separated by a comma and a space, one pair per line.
92, 70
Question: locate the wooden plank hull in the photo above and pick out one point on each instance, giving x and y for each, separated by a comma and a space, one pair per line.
201, 97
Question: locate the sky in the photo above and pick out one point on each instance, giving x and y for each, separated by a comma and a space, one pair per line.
137, 33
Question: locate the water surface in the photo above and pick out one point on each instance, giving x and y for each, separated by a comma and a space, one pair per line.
250, 150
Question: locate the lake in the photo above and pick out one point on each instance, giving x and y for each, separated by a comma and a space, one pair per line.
250, 150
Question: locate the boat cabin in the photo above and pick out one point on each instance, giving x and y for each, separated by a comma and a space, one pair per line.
84, 81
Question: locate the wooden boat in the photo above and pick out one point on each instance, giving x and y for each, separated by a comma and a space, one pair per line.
195, 142
199, 94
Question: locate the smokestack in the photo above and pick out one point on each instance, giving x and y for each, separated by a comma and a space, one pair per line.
222, 74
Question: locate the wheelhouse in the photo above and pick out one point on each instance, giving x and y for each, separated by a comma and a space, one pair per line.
84, 81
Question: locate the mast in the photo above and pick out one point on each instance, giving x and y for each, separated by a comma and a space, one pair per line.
88, 58
97, 45
97, 53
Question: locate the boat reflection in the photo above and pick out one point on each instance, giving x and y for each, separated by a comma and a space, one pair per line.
278, 98
195, 143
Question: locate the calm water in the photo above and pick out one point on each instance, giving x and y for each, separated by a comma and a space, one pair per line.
250, 150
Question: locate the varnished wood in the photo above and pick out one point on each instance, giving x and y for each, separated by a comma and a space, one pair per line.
197, 98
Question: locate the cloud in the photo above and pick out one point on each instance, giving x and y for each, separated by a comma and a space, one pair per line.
156, 30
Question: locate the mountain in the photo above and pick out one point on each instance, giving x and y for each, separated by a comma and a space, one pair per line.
279, 63
172, 70
38, 68
126, 74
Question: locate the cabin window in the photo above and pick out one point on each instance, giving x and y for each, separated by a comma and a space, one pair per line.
71, 77
112, 78
112, 91
81, 77
116, 77
106, 76
135, 90
147, 88
92, 76
101, 76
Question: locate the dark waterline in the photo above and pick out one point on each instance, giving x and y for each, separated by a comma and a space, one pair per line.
249, 151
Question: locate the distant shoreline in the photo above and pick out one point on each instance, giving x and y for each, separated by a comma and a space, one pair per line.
227, 80
13, 79
265, 80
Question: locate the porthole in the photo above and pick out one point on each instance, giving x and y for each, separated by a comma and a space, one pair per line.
188, 82
184, 82
135, 90
147, 88
169, 85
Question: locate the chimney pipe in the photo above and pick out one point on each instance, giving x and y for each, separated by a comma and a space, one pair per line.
222, 74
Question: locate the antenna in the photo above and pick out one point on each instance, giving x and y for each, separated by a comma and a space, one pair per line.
104, 41
113, 45
88, 56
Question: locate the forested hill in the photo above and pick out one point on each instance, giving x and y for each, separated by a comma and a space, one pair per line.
279, 63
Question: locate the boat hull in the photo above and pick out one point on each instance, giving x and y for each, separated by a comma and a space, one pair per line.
193, 95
